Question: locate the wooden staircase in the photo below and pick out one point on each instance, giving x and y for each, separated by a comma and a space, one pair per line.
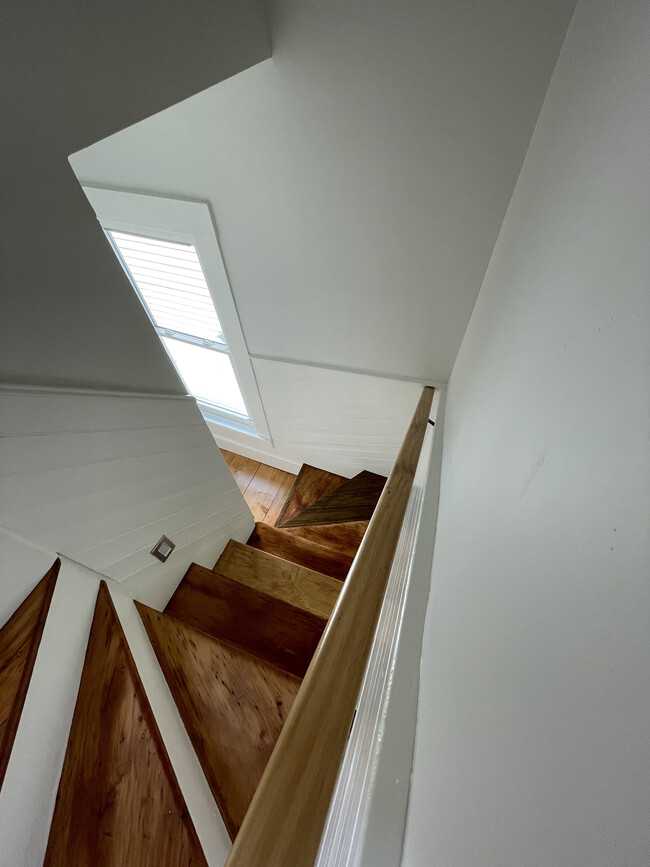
352, 500
233, 643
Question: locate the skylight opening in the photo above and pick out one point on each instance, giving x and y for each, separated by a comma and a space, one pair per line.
173, 289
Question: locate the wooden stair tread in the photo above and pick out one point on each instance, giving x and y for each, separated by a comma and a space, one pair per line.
252, 620
118, 801
20, 638
289, 546
311, 484
342, 539
353, 500
232, 704
281, 579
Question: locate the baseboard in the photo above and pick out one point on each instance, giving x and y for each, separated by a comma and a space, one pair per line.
255, 453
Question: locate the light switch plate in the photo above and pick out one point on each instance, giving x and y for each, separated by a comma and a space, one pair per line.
163, 548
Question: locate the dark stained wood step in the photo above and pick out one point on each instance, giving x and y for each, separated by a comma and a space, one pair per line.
287, 545
119, 802
341, 539
256, 622
353, 500
233, 706
311, 484
20, 638
287, 581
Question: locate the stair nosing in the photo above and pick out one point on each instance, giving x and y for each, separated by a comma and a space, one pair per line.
238, 544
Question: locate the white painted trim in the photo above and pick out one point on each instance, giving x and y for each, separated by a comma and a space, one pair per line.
29, 790
189, 221
27, 542
200, 803
344, 837
435, 383
55, 390
253, 452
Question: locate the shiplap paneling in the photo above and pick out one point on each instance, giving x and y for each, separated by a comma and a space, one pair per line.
99, 478
336, 420
22, 566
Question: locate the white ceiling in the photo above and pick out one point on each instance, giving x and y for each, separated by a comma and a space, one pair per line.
70, 73
360, 177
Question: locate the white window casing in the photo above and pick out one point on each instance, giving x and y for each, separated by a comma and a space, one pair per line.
189, 222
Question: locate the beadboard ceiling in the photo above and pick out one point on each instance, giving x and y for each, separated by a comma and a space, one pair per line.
359, 178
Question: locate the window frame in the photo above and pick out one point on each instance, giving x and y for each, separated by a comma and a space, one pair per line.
189, 222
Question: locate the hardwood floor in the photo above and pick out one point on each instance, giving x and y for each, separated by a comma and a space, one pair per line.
264, 488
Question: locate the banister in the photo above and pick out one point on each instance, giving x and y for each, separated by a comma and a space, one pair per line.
284, 823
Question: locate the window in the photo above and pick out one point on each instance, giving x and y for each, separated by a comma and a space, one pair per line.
171, 254
171, 284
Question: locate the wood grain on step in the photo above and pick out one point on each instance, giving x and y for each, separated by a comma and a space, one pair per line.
20, 639
233, 706
341, 538
287, 545
264, 488
310, 485
227, 455
354, 500
118, 802
243, 470
267, 492
256, 622
284, 489
294, 584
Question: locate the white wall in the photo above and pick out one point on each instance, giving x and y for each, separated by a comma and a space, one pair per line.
22, 565
359, 178
101, 477
532, 745
29, 790
336, 420
384, 833
70, 74
201, 805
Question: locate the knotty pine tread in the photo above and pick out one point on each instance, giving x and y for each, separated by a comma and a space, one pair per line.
310, 485
281, 579
289, 546
342, 539
119, 802
20, 639
353, 500
256, 622
233, 706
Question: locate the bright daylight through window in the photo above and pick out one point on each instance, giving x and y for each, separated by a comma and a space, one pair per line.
171, 284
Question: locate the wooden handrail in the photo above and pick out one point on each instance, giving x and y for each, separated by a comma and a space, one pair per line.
284, 823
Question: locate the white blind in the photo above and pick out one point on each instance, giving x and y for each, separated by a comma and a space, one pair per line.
171, 283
